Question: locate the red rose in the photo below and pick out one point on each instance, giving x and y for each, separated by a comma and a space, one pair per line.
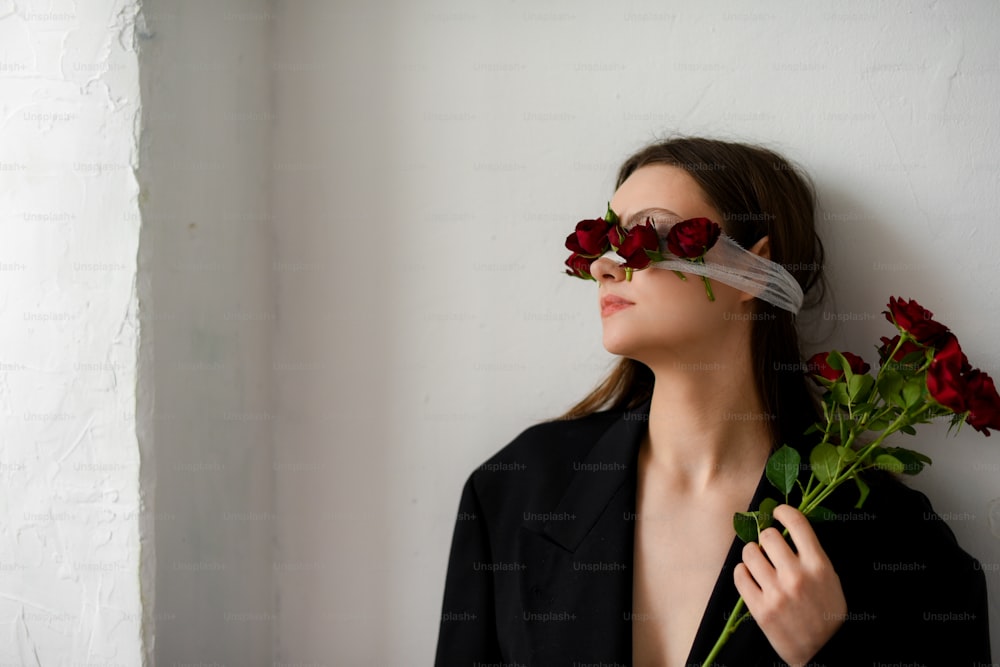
917, 321
616, 236
889, 344
982, 401
691, 239
858, 365
590, 238
945, 375
580, 266
637, 241
817, 365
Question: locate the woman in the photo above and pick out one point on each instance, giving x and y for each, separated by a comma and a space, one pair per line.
605, 537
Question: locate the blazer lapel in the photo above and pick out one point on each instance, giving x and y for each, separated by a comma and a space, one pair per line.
609, 465
577, 588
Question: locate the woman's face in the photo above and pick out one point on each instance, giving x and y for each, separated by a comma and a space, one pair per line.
669, 319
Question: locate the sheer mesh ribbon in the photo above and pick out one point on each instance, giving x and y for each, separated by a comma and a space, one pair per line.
728, 263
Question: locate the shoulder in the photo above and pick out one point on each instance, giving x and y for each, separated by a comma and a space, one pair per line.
896, 528
892, 500
537, 465
553, 440
913, 593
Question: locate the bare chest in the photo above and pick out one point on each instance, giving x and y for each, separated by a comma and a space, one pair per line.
678, 555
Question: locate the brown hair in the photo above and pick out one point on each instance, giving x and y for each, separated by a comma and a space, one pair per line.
759, 193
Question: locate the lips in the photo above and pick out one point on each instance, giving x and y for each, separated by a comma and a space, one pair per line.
612, 304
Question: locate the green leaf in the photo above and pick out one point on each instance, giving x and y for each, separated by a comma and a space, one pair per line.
890, 463
890, 386
745, 524
822, 514
915, 359
825, 462
863, 489
878, 424
838, 393
913, 391
838, 362
869, 460
765, 515
783, 469
908, 430
859, 386
875, 452
913, 462
846, 454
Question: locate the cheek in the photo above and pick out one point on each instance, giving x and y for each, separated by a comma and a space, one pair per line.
665, 298
666, 287
691, 288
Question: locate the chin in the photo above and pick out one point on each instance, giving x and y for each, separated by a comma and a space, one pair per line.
621, 343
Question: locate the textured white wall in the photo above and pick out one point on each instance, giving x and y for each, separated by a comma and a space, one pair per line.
439, 153
71, 571
205, 173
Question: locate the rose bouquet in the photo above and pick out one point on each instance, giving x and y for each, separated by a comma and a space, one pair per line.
923, 375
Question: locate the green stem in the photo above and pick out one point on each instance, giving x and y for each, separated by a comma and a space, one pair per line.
823, 491
809, 484
708, 289
736, 617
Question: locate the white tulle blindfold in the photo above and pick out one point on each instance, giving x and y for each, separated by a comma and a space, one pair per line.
730, 264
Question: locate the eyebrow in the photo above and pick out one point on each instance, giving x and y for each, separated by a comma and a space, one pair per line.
630, 220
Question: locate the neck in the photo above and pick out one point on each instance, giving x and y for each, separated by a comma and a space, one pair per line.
706, 422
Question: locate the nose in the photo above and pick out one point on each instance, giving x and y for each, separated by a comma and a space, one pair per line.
605, 268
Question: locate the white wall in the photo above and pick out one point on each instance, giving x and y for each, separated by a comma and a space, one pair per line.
73, 565
437, 154
205, 172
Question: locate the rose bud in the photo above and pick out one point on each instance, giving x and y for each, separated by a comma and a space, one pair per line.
982, 401
590, 238
917, 321
616, 236
580, 266
691, 239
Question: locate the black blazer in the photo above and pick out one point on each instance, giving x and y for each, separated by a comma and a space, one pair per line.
540, 571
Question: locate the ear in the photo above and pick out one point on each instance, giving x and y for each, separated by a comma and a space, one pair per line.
763, 248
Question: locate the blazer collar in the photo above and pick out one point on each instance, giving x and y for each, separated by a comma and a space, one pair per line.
610, 463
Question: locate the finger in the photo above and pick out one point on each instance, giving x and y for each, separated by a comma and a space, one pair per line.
777, 549
746, 586
802, 533
759, 566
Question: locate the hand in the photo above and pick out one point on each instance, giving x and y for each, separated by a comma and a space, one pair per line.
796, 599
